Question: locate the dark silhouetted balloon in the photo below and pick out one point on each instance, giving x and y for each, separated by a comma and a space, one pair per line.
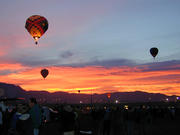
36, 25
44, 73
79, 91
154, 51
109, 95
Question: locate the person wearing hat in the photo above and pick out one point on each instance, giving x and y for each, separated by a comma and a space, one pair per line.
68, 120
36, 115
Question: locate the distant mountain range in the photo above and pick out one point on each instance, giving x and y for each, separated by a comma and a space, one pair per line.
13, 91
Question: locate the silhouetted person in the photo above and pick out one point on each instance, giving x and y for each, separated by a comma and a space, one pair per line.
129, 117
1, 120
96, 115
107, 122
24, 123
35, 113
68, 120
6, 121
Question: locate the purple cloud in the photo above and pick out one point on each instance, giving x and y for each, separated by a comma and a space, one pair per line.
7, 72
105, 63
66, 54
161, 66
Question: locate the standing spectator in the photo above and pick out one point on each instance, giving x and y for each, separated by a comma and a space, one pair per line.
107, 122
46, 114
68, 121
24, 123
6, 121
15, 116
96, 115
3, 106
172, 111
35, 113
129, 117
1, 120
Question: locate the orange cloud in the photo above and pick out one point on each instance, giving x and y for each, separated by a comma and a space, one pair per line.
96, 79
11, 66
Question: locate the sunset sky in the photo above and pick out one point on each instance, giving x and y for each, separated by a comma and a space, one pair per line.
98, 45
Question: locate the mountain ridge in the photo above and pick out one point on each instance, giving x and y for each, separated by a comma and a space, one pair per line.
12, 91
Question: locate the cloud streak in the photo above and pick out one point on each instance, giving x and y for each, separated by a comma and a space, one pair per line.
66, 54
161, 66
98, 78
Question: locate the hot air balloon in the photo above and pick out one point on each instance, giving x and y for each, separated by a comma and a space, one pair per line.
154, 51
36, 25
79, 91
44, 73
109, 95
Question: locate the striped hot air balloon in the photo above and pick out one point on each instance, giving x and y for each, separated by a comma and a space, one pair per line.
36, 25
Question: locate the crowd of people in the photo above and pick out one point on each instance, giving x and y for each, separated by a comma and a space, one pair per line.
130, 120
21, 119
28, 119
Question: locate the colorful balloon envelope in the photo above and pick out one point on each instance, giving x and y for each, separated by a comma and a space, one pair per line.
44, 73
154, 51
36, 25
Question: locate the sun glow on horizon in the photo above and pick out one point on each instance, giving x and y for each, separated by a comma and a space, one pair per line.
94, 79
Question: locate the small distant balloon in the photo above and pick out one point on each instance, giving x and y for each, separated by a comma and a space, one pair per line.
36, 25
154, 51
109, 95
44, 73
79, 91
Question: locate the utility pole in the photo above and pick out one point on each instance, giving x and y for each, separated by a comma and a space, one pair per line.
91, 99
